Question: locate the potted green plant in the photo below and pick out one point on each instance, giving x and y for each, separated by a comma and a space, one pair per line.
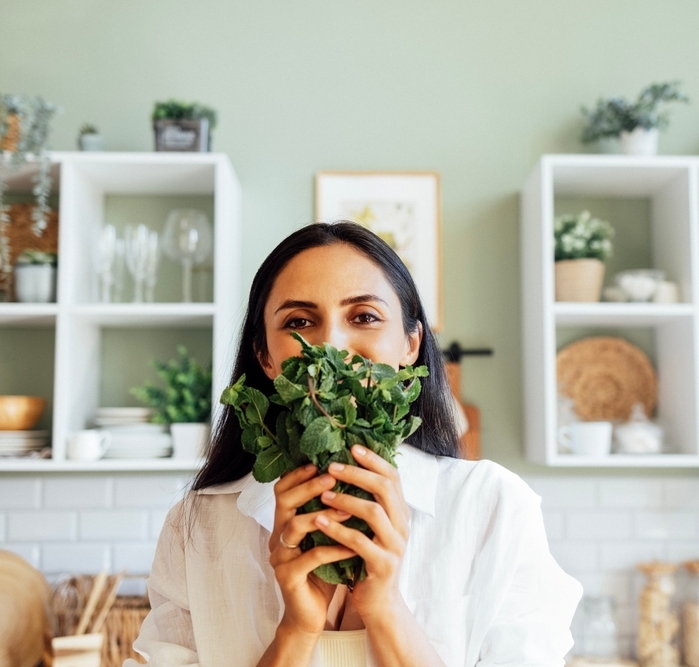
184, 403
35, 277
90, 139
581, 244
635, 124
183, 126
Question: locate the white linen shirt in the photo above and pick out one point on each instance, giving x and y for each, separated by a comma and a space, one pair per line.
477, 573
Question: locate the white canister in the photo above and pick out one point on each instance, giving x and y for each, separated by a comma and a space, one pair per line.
190, 441
640, 141
35, 283
88, 445
588, 438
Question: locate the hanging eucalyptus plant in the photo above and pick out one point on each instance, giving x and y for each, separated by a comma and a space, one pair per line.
24, 131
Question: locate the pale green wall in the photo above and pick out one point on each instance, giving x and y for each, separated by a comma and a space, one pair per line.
475, 90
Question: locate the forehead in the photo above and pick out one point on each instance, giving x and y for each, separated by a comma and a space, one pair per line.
331, 272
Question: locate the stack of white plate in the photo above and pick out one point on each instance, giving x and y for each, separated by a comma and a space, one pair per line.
21, 443
138, 441
117, 416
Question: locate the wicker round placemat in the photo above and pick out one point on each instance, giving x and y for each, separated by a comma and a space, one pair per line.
605, 376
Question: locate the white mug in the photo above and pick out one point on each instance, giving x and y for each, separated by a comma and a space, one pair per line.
88, 445
588, 438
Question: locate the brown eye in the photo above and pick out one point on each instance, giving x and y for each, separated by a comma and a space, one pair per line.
366, 318
297, 323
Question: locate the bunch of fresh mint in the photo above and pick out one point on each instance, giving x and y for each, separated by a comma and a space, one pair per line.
326, 405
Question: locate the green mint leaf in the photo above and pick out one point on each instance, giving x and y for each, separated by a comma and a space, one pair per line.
320, 436
257, 407
270, 464
287, 390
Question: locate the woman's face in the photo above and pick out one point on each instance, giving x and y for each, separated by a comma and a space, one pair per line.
335, 294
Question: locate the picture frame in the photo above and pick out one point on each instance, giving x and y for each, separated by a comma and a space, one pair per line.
403, 208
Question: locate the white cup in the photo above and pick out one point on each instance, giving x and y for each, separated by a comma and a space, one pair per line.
667, 292
88, 445
588, 438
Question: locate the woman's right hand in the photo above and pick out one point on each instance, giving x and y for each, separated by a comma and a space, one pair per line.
306, 597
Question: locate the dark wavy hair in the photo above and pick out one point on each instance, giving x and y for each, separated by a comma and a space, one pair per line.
227, 461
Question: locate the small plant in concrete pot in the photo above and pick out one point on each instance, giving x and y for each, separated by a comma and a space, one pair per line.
35, 277
90, 139
582, 243
183, 126
636, 124
184, 403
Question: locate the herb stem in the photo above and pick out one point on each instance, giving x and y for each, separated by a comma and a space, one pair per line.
312, 390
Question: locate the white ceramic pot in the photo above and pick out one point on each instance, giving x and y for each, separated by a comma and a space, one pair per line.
189, 441
91, 142
35, 283
640, 142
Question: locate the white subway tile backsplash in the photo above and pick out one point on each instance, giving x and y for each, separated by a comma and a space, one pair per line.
616, 584
30, 552
72, 492
553, 522
576, 557
20, 493
624, 555
678, 552
43, 525
149, 490
665, 525
82, 557
681, 493
631, 493
564, 492
598, 525
134, 558
114, 525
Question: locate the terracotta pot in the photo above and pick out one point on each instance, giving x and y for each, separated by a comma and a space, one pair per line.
11, 138
579, 279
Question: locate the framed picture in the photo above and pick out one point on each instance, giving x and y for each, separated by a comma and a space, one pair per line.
404, 209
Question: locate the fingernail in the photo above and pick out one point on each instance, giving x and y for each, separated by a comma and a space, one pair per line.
337, 467
310, 467
327, 480
328, 495
342, 514
359, 450
322, 521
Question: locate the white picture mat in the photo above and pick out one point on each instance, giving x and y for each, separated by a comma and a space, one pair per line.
335, 190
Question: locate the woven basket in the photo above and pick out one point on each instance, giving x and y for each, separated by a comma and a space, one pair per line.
10, 139
121, 629
579, 279
605, 377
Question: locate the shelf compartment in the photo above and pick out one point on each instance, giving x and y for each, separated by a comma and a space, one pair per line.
28, 314
625, 461
193, 315
619, 314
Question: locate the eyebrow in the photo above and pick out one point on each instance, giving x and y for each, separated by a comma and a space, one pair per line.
360, 298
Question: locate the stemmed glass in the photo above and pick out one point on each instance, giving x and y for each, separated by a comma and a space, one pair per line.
152, 265
187, 239
141, 244
105, 249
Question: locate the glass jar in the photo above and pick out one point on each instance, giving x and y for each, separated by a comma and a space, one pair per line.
599, 630
658, 624
691, 616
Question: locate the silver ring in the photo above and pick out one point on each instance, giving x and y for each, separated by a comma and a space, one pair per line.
284, 543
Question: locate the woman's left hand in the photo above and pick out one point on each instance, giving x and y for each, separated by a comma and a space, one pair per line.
387, 516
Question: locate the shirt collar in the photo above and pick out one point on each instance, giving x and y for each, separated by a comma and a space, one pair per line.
418, 473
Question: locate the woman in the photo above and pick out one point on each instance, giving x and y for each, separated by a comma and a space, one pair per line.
458, 571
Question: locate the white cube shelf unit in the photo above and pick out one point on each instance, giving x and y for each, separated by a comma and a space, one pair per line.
83, 181
671, 185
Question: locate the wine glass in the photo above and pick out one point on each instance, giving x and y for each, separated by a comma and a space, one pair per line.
105, 242
137, 256
187, 239
152, 265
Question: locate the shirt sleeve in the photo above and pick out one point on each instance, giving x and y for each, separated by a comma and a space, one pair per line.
532, 622
167, 638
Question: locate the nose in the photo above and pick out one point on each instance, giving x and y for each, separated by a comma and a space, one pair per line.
336, 335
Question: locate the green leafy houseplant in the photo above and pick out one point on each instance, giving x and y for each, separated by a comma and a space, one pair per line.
323, 406
580, 236
88, 128
174, 110
187, 393
612, 116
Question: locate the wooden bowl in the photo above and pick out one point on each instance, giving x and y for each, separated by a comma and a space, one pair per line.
20, 413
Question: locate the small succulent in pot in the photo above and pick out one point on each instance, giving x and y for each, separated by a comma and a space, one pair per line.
38, 257
89, 138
